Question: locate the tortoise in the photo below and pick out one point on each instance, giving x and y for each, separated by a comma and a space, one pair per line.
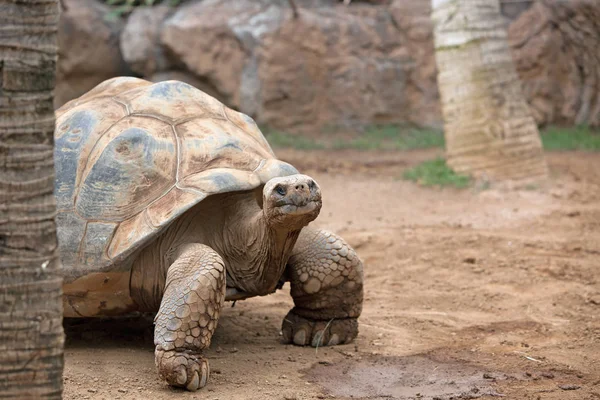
170, 202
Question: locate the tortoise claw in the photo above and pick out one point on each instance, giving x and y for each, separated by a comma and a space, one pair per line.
182, 368
303, 331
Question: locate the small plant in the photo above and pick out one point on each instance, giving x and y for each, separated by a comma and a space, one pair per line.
571, 138
436, 173
122, 7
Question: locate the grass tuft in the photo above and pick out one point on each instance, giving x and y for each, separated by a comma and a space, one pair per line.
436, 173
571, 138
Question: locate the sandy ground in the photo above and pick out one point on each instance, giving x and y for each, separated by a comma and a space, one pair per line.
469, 294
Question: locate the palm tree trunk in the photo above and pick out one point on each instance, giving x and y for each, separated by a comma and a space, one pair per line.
490, 132
31, 333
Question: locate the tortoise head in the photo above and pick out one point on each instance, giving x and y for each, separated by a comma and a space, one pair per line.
291, 202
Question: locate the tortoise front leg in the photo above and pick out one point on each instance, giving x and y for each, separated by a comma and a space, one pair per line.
326, 277
189, 311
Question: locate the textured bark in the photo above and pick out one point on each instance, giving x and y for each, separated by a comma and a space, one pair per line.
31, 333
489, 129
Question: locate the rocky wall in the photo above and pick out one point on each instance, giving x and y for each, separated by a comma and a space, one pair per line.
331, 65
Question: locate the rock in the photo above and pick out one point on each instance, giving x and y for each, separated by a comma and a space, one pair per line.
555, 48
332, 66
511, 9
413, 21
88, 49
569, 387
208, 39
594, 299
140, 40
335, 65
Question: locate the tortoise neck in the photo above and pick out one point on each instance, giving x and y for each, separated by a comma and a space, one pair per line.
256, 253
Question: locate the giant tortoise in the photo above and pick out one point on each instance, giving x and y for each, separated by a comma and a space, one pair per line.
170, 202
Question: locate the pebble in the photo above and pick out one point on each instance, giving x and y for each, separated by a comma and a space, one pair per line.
569, 387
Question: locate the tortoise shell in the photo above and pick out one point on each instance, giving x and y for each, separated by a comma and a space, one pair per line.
132, 156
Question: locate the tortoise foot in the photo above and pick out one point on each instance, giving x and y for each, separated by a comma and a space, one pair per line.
182, 368
303, 331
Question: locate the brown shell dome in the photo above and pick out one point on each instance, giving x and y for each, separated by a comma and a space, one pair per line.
132, 156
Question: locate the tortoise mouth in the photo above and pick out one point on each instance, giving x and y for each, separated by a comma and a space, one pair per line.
298, 201
299, 209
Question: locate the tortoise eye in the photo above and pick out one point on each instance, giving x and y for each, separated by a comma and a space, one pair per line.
280, 190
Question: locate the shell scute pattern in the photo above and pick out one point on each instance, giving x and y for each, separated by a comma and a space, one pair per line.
75, 137
131, 165
132, 156
173, 101
108, 89
208, 144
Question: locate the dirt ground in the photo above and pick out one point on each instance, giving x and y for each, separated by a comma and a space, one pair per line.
480, 293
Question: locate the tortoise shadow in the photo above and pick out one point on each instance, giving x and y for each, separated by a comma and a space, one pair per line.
136, 330
123, 331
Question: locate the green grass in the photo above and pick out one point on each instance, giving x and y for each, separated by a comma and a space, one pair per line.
281, 140
386, 137
433, 172
436, 173
571, 138
393, 137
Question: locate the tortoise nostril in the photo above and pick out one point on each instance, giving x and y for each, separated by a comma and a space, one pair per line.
300, 186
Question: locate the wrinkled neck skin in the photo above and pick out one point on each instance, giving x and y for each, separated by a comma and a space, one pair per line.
255, 252
234, 225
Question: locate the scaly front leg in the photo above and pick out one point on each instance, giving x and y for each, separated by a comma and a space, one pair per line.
326, 277
188, 315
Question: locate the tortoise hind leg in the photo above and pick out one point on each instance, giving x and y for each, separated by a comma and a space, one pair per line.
188, 315
326, 277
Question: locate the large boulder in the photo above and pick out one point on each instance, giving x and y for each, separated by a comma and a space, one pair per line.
88, 49
337, 67
140, 40
414, 26
216, 40
555, 46
333, 65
